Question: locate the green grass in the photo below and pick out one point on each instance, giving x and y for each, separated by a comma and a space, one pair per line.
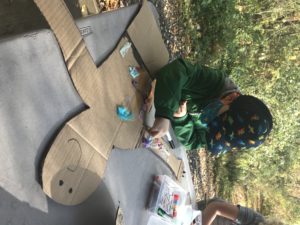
257, 43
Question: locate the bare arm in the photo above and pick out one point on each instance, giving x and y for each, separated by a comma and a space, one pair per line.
216, 208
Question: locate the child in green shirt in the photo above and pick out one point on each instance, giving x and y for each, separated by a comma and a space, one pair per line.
206, 109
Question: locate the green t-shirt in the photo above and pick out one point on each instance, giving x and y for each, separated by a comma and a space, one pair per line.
199, 85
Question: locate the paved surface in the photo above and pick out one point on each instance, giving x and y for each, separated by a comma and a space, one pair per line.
19, 16
129, 176
36, 98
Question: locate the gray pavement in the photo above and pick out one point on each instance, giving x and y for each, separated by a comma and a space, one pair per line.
36, 98
128, 176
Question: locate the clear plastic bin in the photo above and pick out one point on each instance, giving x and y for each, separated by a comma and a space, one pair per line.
167, 199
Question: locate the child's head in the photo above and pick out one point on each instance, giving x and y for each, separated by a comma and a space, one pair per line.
246, 124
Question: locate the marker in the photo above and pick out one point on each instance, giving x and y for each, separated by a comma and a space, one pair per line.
169, 138
162, 213
175, 204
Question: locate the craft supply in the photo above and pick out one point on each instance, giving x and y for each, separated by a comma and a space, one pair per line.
162, 213
168, 200
175, 204
147, 140
124, 113
134, 71
125, 48
169, 138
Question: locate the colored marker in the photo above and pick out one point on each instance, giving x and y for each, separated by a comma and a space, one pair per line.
169, 138
175, 204
162, 213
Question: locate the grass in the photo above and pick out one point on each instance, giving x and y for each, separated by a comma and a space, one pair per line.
257, 44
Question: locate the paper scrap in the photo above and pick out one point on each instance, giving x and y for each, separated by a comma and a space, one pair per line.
125, 48
133, 71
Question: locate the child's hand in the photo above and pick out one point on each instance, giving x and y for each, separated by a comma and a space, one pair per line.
160, 127
181, 110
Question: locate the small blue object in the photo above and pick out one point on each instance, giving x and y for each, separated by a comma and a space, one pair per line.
124, 114
133, 71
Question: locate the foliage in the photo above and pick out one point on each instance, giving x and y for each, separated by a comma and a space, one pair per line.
257, 43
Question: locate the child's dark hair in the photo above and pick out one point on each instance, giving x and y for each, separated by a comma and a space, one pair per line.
253, 105
245, 125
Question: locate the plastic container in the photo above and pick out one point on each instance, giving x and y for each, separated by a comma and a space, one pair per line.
167, 199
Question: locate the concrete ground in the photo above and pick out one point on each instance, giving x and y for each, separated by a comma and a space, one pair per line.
36, 98
19, 16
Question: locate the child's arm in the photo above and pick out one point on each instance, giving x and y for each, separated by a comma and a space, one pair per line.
161, 125
222, 209
170, 81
